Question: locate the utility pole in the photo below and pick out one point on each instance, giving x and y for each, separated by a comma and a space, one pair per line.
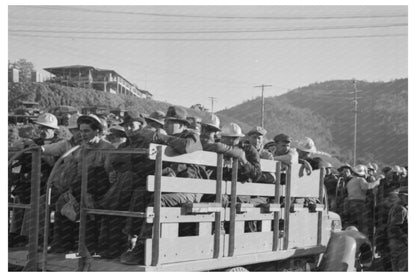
355, 119
262, 102
212, 104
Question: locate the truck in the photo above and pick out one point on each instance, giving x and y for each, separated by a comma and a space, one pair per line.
291, 236
25, 113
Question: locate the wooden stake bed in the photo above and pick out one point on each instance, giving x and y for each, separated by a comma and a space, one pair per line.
57, 262
221, 240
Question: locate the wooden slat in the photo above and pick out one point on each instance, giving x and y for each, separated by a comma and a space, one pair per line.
176, 184
306, 186
302, 228
185, 248
246, 243
189, 185
200, 158
197, 157
268, 165
169, 230
178, 214
266, 226
204, 229
201, 208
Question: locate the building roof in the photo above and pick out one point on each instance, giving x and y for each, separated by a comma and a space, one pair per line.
60, 69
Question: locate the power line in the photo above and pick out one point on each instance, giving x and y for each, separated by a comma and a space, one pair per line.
222, 17
212, 31
210, 39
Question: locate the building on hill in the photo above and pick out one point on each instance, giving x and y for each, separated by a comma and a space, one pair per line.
86, 76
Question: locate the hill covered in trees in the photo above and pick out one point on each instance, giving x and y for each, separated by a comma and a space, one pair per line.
324, 112
51, 95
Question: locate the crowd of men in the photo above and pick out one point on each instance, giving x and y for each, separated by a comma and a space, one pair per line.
362, 196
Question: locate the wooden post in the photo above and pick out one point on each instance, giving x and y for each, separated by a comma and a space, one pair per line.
276, 214
32, 264
287, 208
234, 174
218, 199
157, 201
321, 198
84, 261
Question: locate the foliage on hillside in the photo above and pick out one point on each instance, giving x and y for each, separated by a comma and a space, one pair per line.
282, 117
382, 116
324, 112
51, 95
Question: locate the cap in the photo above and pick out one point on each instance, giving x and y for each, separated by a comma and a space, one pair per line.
257, 130
282, 137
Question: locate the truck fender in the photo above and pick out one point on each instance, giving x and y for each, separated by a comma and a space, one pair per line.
347, 251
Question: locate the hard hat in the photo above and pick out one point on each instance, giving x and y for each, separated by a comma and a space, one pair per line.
375, 166
396, 169
345, 166
370, 166
90, 118
72, 122
307, 145
325, 164
404, 171
48, 120
213, 121
104, 124
360, 170
231, 130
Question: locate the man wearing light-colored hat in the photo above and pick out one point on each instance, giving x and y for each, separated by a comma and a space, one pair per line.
47, 124
357, 190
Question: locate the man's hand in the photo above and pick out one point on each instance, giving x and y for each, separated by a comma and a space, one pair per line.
305, 167
243, 158
112, 177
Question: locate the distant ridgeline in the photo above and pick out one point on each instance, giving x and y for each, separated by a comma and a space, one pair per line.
324, 112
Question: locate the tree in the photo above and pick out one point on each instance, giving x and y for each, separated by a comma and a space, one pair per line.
25, 69
199, 107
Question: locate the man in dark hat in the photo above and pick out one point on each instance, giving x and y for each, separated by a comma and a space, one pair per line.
133, 122
155, 120
255, 137
284, 152
182, 140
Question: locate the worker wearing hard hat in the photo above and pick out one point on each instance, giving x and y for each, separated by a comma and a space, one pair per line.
357, 189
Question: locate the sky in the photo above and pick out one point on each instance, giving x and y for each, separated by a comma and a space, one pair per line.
186, 54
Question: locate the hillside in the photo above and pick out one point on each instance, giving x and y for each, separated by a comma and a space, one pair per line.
50, 95
324, 112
